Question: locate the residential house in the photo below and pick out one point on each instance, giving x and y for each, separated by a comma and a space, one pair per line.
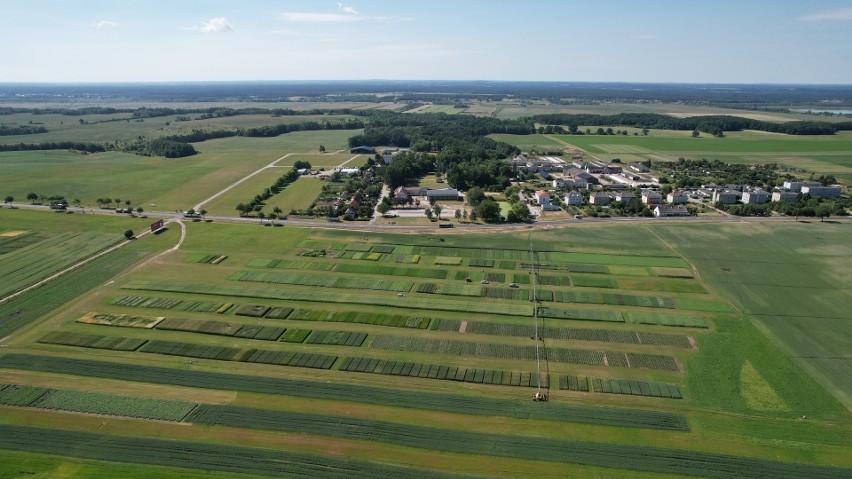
559, 183
625, 196
677, 198
573, 198
755, 197
664, 210
798, 185
726, 197
785, 196
639, 167
651, 197
599, 198
542, 197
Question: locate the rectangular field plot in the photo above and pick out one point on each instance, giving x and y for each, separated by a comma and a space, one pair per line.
448, 373
524, 353
324, 281
657, 285
405, 398
574, 383
448, 260
580, 314
593, 282
667, 319
94, 403
93, 341
337, 338
673, 272
122, 320
429, 273
710, 305
574, 334
237, 290
300, 360
636, 388
378, 319
202, 258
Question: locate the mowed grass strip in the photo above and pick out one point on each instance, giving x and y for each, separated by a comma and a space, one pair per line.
197, 455
427, 303
621, 456
679, 320
479, 405
324, 281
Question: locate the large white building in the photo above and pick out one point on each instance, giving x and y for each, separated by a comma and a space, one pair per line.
785, 196
755, 197
822, 191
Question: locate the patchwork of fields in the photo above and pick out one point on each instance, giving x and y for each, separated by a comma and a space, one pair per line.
376, 355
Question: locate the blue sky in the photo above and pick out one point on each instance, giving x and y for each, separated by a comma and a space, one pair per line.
634, 41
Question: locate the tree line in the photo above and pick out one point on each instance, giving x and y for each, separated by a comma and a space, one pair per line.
8, 130
712, 124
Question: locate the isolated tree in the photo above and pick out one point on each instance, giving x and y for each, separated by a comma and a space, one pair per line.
695, 134
458, 214
117, 202
322, 149
32, 197
488, 210
241, 208
383, 207
128, 234
202, 212
645, 132
9, 199
464, 215
140, 210
473, 215
261, 215
277, 210
127, 203
428, 213
77, 202
475, 195
823, 211
437, 209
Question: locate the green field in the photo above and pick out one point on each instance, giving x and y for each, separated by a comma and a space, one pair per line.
666, 349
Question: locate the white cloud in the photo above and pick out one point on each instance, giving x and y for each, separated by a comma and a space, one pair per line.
308, 17
105, 24
347, 9
214, 25
839, 14
346, 14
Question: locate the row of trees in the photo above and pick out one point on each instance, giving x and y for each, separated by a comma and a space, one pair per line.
713, 124
8, 130
256, 203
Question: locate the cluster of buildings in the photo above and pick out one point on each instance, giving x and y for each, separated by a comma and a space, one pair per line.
652, 198
731, 194
406, 194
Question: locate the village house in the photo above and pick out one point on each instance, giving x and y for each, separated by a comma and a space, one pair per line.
625, 196
664, 210
785, 196
599, 198
755, 197
677, 197
573, 198
651, 197
726, 197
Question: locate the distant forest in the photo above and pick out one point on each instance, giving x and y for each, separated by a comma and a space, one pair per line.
448, 92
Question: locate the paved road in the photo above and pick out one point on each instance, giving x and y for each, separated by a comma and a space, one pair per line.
501, 226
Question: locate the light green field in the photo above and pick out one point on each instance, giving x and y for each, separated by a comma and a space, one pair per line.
170, 184
448, 109
299, 195
792, 280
